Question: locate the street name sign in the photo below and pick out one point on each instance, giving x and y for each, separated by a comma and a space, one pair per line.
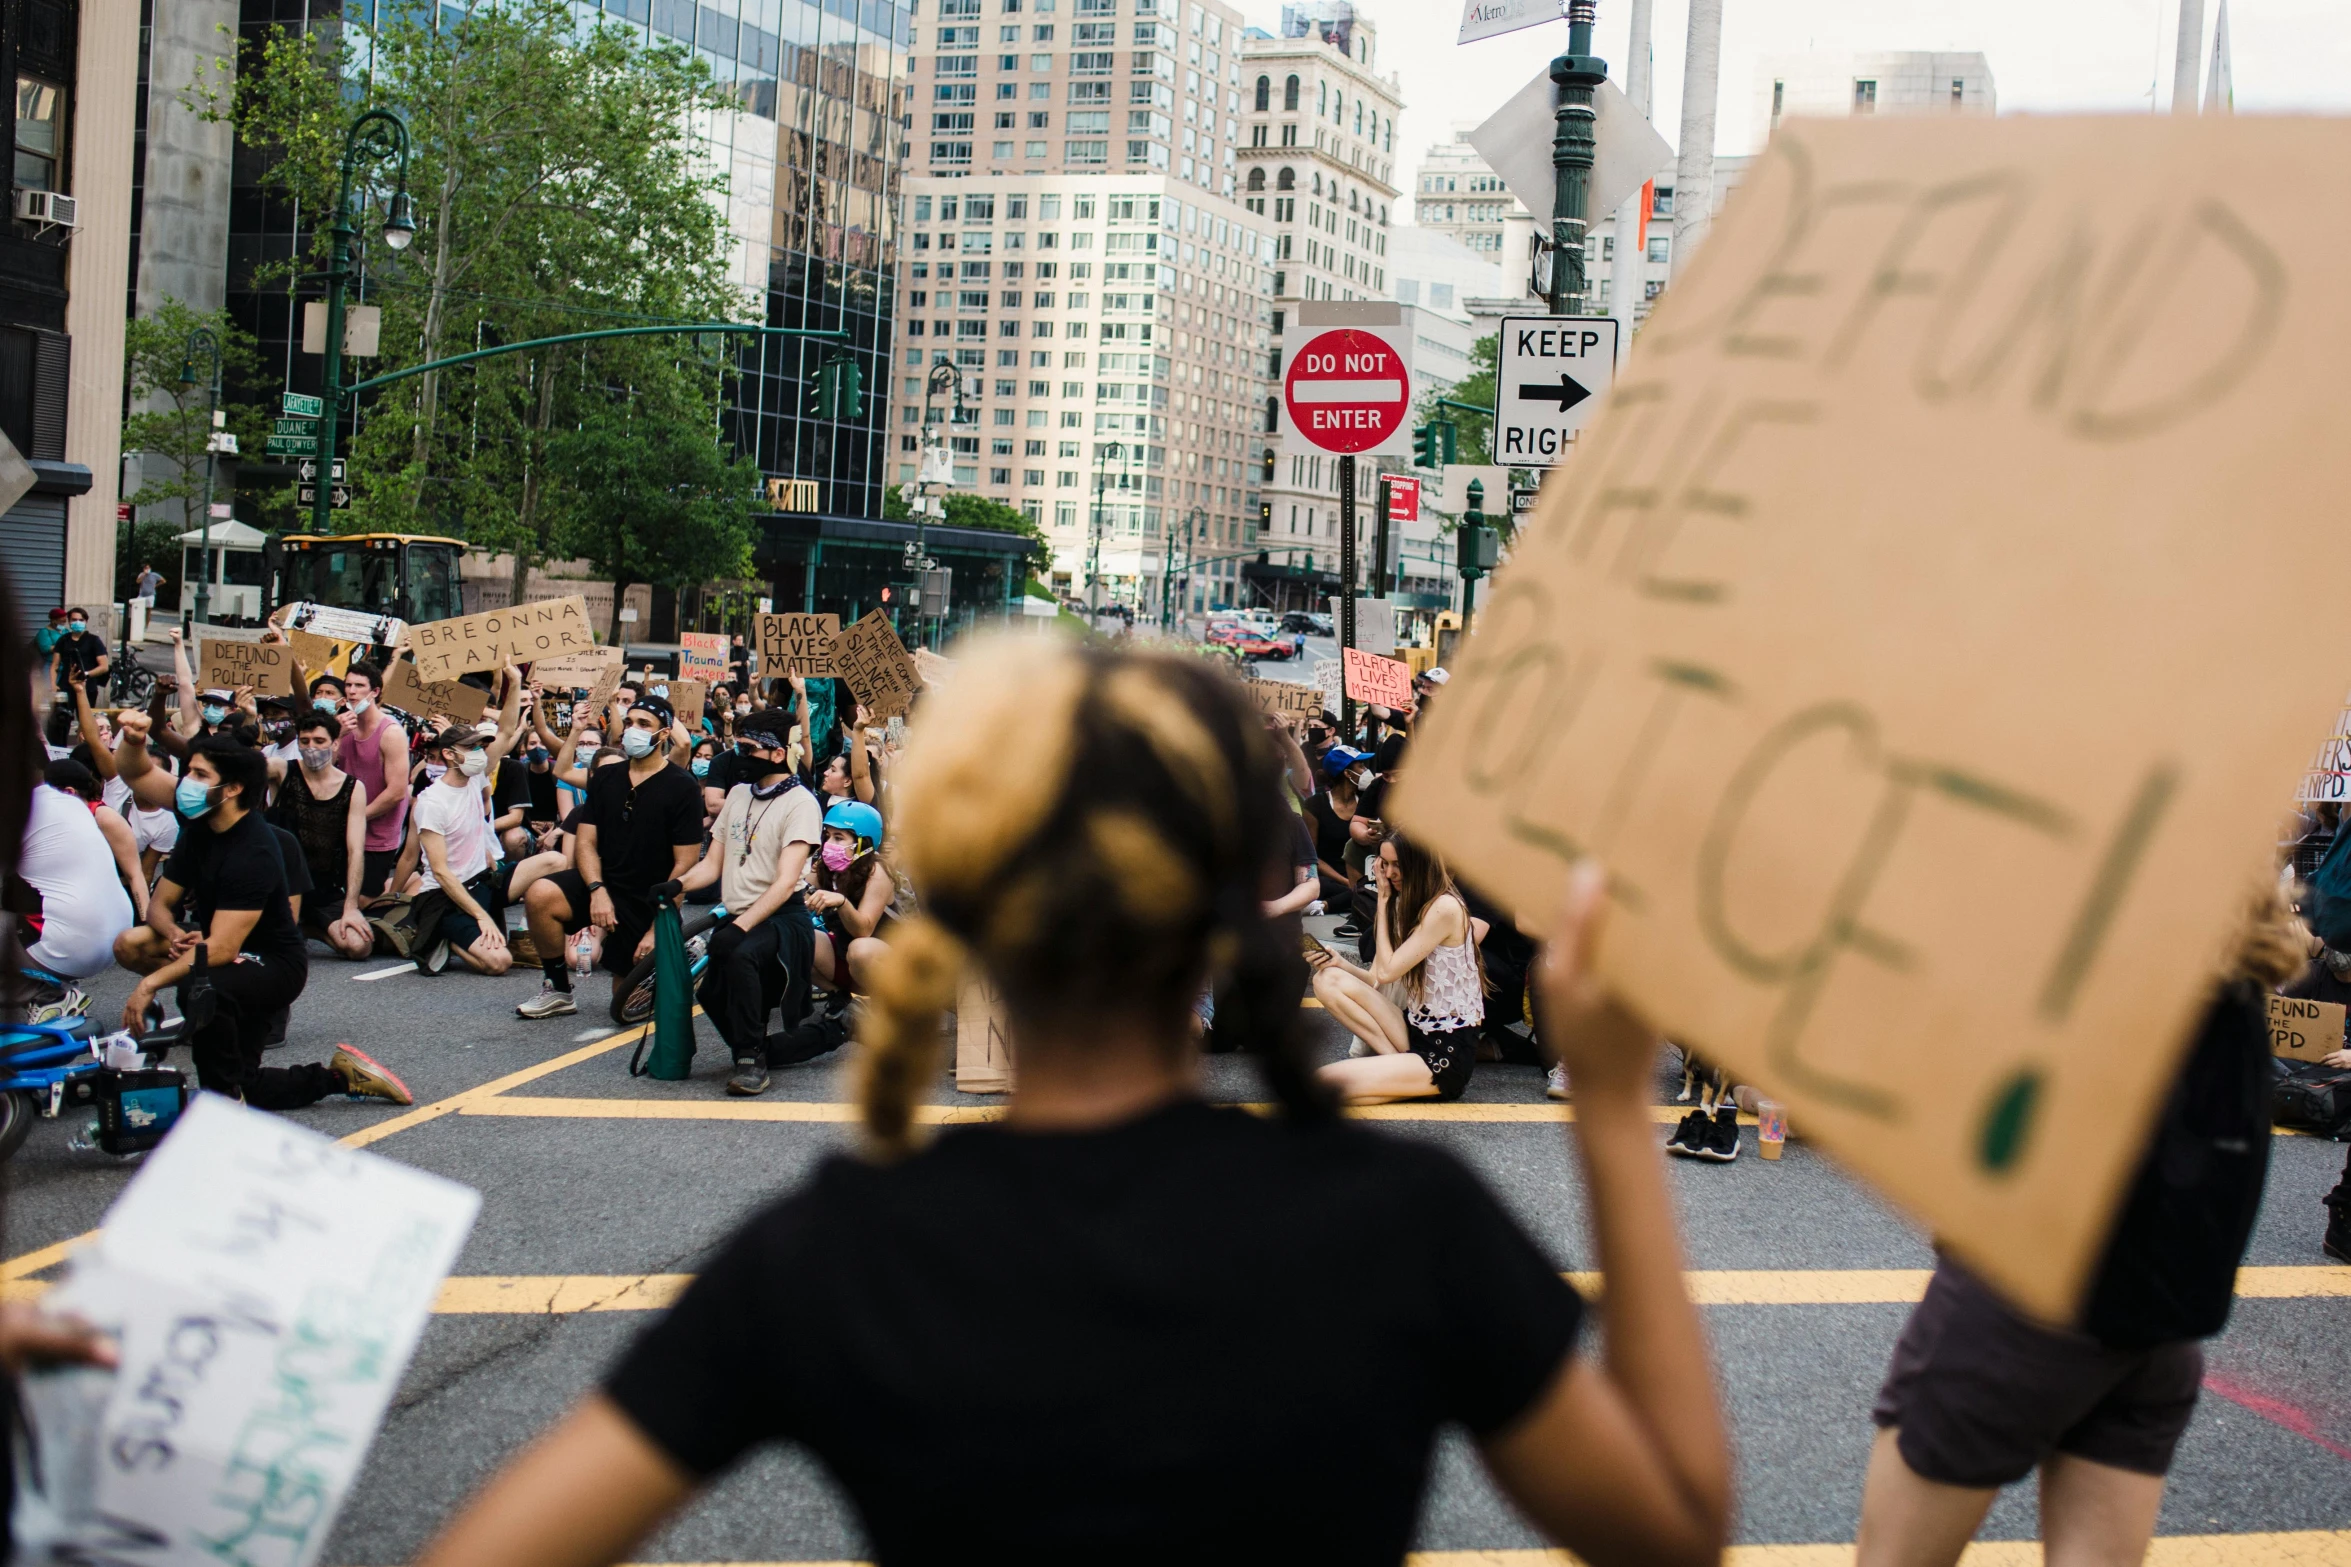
293, 427
291, 446
301, 406
1549, 374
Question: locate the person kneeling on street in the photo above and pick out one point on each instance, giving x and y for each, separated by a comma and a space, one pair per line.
639, 826
758, 852
462, 909
242, 962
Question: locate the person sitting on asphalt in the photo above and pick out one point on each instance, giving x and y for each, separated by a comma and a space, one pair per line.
1094, 831
1426, 944
228, 879
76, 779
767, 829
853, 896
374, 750
640, 826
325, 809
78, 908
461, 907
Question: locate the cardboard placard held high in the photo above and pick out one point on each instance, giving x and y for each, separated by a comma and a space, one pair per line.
445, 649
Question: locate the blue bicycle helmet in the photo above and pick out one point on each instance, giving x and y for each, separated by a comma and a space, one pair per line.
855, 816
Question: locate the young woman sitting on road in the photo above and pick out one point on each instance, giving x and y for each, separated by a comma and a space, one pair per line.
1416, 1012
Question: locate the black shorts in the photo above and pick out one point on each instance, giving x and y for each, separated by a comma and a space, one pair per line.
375, 869
438, 916
635, 916
1451, 1057
1979, 1395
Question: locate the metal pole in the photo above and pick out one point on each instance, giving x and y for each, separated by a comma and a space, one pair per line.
1577, 75
1382, 551
1346, 578
1693, 177
1626, 274
2187, 52
203, 336
338, 278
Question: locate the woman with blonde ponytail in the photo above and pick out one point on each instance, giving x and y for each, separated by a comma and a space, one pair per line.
1210, 1335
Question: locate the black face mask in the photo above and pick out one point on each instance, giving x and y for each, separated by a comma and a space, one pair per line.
753, 768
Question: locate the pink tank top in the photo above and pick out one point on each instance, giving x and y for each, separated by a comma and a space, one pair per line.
361, 754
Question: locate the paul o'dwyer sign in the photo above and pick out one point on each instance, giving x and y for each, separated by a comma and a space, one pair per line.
1930, 635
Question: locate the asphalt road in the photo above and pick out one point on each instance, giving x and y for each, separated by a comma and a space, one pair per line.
579, 1186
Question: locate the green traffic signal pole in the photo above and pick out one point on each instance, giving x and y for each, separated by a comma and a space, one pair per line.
711, 327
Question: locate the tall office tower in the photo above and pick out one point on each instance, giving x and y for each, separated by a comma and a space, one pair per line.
1110, 336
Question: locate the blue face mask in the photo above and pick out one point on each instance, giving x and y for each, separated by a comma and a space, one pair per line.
213, 715
638, 743
702, 767
78, 626
536, 755
193, 798
325, 704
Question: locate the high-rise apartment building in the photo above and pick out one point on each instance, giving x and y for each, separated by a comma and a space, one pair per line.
1837, 85
1456, 194
1320, 155
1111, 333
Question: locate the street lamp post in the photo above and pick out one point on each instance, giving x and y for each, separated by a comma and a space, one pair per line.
1578, 76
1119, 452
202, 340
943, 378
379, 133
1170, 609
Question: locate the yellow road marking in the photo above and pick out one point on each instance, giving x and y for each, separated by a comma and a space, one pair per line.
33, 1262
951, 1115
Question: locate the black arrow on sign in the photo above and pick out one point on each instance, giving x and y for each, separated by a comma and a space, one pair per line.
1567, 393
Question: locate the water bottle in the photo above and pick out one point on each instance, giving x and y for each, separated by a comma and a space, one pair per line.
86, 1140
583, 957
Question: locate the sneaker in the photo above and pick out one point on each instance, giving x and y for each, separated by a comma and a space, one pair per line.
275, 1037
2338, 1237
549, 1002
1689, 1136
1348, 930
435, 958
750, 1077
365, 1078
62, 1008
1719, 1138
1357, 1049
1555, 1083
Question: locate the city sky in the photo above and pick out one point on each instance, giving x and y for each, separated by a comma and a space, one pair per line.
2073, 56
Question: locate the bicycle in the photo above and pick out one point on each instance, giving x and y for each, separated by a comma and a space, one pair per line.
129, 683
632, 994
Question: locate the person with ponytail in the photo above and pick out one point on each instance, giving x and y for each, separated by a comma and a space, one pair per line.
1123, 1324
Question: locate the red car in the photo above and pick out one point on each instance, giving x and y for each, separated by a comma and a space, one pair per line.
1248, 643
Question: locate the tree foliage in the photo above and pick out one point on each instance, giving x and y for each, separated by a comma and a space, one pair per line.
558, 187
976, 511
1476, 388
171, 389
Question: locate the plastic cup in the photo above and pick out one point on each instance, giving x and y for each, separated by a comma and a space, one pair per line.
1771, 1129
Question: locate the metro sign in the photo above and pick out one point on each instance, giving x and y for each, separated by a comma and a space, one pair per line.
1349, 391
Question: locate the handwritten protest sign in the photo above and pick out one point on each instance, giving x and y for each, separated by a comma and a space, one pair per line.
1882, 642
1293, 702
2305, 1030
702, 655
595, 672
871, 658
797, 644
268, 667
321, 655
445, 649
983, 1044
933, 669
1326, 680
2329, 777
1383, 682
686, 698
460, 701
266, 1288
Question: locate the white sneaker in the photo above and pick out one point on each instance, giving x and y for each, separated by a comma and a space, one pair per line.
549, 1002
1555, 1083
1357, 1048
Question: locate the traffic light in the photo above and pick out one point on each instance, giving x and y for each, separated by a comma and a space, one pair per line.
1448, 438
1424, 446
839, 390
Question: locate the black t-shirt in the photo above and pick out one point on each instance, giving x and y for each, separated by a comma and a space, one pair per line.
636, 829
2318, 983
511, 790
1330, 830
1372, 800
1200, 1336
545, 805
82, 649
240, 868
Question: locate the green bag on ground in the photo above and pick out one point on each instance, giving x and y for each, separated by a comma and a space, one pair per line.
672, 1056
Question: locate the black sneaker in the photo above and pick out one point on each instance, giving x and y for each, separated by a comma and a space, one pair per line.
1690, 1136
275, 1037
1719, 1138
750, 1077
1348, 930
2338, 1237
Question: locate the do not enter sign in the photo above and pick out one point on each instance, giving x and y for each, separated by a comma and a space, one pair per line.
1348, 390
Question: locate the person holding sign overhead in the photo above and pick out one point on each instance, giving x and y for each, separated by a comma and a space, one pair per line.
1094, 832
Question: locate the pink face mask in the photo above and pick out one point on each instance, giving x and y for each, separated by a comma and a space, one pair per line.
837, 857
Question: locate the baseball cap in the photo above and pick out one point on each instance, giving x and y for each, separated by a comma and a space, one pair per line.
1436, 676
1339, 758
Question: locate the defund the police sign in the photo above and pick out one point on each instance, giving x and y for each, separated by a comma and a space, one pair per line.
1349, 390
1549, 373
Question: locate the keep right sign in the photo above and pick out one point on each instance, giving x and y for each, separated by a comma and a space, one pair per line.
1548, 378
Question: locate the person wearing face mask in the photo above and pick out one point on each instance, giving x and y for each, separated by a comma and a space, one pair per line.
228, 879
641, 826
462, 909
82, 655
766, 830
325, 809
374, 750
853, 895
276, 717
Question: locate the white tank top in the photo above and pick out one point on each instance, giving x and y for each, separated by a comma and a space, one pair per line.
83, 905
1450, 997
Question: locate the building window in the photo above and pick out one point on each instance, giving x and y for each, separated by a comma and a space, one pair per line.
40, 138
1958, 92
1085, 152
1659, 247
1865, 96
1779, 99
1264, 94
1289, 135
1290, 95
1662, 207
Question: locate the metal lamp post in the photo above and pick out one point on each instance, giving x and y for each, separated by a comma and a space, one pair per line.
1120, 452
203, 341
1169, 608
378, 134
1578, 76
943, 378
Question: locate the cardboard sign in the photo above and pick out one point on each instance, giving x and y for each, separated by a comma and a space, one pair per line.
1293, 702
685, 697
268, 667
1326, 680
797, 644
318, 655
1882, 644
983, 1044
702, 655
1383, 682
422, 698
594, 673
871, 658
933, 669
2305, 1030
445, 649
266, 1289
2329, 777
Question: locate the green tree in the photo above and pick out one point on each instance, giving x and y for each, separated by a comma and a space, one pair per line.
976, 511
644, 492
559, 187
172, 393
1476, 388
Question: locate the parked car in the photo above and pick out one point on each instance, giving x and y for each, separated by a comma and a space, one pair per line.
1306, 622
1247, 640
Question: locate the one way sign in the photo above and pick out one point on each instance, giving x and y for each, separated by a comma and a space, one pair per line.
1550, 371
